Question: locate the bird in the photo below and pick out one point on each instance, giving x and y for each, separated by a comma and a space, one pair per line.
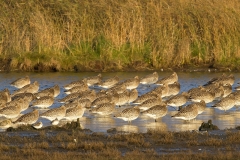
108, 83
131, 83
149, 79
133, 95
10, 111
156, 112
54, 113
129, 114
77, 89
101, 100
173, 89
187, 113
28, 118
94, 80
168, 80
104, 109
74, 113
75, 83
46, 92
43, 102
225, 103
21, 82
30, 88
55, 122
145, 97
5, 123
5, 94
178, 100
150, 103
37, 125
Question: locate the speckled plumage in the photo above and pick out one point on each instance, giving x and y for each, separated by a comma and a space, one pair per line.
168, 80
54, 113
149, 79
43, 102
128, 114
104, 109
150, 103
75, 112
21, 82
28, 118
156, 112
187, 113
225, 103
108, 83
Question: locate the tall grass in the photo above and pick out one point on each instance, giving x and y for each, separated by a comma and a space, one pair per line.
115, 35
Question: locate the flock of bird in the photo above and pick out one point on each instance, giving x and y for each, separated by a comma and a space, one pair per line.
114, 93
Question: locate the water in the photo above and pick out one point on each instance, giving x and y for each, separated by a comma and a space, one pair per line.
98, 123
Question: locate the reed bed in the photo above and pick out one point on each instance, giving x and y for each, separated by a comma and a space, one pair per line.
111, 35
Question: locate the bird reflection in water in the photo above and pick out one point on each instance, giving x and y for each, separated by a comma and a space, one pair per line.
128, 128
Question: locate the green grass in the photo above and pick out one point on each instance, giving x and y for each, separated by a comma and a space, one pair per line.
117, 35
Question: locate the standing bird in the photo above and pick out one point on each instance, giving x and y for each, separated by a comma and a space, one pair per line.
21, 82
226, 103
178, 100
37, 125
28, 118
74, 113
168, 80
54, 113
156, 112
187, 113
129, 114
109, 82
131, 83
104, 109
149, 79
94, 80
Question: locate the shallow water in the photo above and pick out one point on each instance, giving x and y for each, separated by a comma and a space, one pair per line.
98, 123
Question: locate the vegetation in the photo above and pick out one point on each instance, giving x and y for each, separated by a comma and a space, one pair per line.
79, 144
108, 35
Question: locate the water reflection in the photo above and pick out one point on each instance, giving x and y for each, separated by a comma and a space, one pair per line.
128, 128
98, 123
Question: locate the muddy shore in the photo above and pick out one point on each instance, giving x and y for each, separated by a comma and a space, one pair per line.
99, 66
72, 142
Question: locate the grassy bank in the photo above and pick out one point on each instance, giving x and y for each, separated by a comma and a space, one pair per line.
110, 35
57, 145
